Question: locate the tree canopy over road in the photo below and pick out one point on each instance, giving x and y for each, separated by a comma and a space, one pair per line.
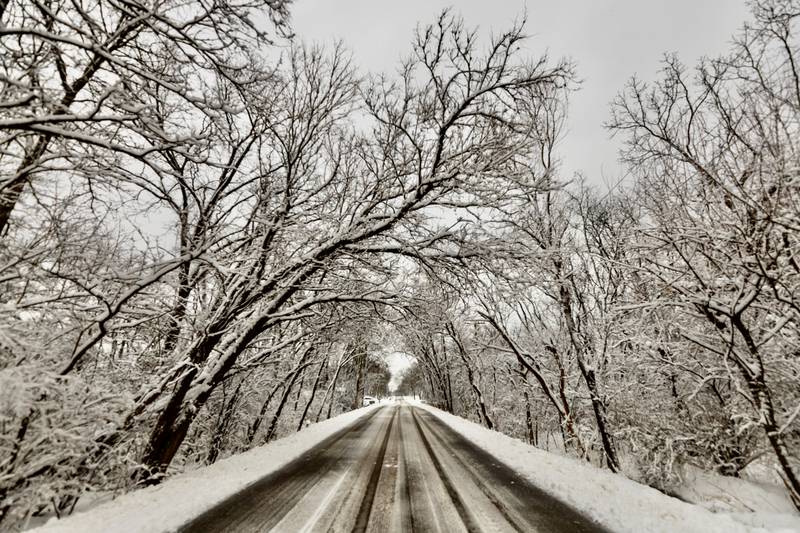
212, 233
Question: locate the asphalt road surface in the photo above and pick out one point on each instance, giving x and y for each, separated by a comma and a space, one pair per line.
399, 469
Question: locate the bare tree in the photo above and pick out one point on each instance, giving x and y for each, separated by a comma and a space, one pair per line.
718, 178
79, 79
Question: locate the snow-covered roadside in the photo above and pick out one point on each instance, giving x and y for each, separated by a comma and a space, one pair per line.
751, 502
179, 499
618, 503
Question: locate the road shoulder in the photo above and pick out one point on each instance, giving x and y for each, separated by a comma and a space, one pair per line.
182, 498
611, 500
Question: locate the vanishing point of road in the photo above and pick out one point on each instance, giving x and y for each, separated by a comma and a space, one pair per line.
397, 469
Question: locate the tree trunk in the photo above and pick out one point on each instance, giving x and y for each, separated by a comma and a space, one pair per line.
483, 413
223, 423
299, 391
756, 382
179, 309
273, 425
322, 367
598, 406
168, 433
600, 417
253, 429
12, 189
449, 384
561, 403
532, 436
330, 390
776, 440
360, 363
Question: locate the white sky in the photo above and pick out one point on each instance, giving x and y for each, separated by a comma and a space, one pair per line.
397, 362
609, 39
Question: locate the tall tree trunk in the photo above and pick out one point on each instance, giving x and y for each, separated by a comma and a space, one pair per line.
360, 364
179, 309
262, 412
168, 433
532, 435
330, 390
299, 391
598, 406
560, 402
273, 425
429, 382
449, 383
483, 413
223, 423
775, 437
754, 375
330, 405
291, 375
322, 367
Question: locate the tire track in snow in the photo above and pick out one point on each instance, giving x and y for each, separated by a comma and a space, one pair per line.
536, 509
362, 518
506, 513
460, 505
404, 487
402, 470
262, 505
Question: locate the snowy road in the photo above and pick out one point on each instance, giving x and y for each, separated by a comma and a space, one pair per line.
398, 469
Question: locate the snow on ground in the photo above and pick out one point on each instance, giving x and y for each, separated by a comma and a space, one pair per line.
612, 500
618, 503
179, 499
764, 505
732, 495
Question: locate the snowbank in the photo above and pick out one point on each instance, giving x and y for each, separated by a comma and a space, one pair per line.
612, 500
757, 504
732, 495
179, 499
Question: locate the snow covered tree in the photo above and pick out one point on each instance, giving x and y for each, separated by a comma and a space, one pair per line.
715, 158
84, 84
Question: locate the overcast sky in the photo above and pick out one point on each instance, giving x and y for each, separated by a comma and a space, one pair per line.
610, 40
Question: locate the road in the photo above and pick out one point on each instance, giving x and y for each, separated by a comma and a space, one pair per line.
398, 469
